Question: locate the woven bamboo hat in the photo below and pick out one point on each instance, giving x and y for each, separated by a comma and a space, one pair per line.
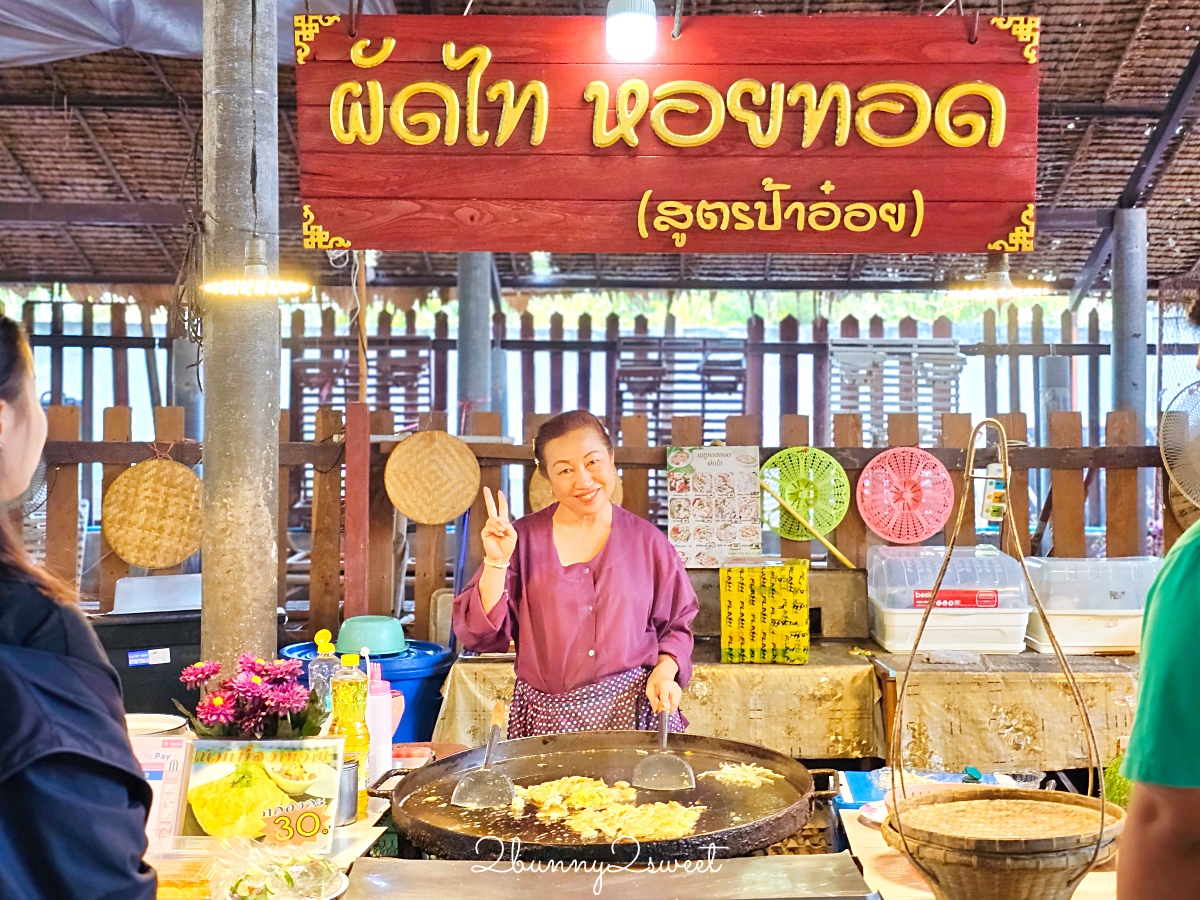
151, 514
541, 496
432, 477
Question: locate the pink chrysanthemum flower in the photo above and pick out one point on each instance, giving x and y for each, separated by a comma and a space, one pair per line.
254, 665
282, 670
247, 686
287, 698
198, 673
216, 709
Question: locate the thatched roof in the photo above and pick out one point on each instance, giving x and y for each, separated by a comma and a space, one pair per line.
1108, 67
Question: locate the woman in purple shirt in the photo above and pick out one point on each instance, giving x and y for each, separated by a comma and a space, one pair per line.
595, 598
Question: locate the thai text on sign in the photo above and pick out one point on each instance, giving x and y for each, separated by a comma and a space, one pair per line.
761, 134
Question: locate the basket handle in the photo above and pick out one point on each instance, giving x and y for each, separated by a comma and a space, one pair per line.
895, 739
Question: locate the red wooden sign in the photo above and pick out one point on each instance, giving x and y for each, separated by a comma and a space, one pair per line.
779, 134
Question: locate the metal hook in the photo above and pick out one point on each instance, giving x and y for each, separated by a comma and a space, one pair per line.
973, 36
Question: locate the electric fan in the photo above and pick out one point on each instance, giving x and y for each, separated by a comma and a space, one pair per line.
806, 494
1179, 444
905, 495
34, 497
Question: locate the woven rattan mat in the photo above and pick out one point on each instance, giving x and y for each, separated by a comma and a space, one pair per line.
432, 477
151, 514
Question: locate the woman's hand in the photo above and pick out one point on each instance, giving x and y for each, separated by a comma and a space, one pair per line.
662, 689
499, 536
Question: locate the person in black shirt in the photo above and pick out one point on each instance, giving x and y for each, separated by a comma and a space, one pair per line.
73, 802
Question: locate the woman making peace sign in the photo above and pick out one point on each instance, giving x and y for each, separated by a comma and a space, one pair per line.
595, 598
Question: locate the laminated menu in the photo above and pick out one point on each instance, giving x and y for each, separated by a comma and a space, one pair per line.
283, 792
714, 509
764, 612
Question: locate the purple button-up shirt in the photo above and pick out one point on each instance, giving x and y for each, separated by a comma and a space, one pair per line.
575, 625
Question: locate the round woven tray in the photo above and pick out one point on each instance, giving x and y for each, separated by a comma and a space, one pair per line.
540, 495
151, 514
432, 477
1008, 820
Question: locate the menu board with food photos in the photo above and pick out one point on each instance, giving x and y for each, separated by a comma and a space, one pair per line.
713, 504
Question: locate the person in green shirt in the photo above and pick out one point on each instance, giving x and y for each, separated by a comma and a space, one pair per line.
1160, 848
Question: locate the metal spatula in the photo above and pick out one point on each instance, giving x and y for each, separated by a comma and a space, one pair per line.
664, 770
485, 788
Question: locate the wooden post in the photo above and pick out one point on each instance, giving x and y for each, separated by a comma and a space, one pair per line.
687, 431
285, 505
325, 559
745, 431
752, 399
56, 355
942, 391
481, 423
584, 365
62, 499
1014, 359
87, 403
1018, 487
168, 429
904, 429
789, 333
612, 411
793, 432
383, 362
1067, 336
850, 536
528, 366
430, 553
556, 366
120, 355
1093, 428
1037, 335
820, 382
990, 403
151, 357
1066, 516
381, 581
956, 431
116, 428
907, 329
636, 481
1121, 488
441, 365
357, 509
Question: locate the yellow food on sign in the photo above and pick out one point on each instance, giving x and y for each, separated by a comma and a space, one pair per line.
233, 806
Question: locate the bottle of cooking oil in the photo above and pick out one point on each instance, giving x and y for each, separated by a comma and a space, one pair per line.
349, 689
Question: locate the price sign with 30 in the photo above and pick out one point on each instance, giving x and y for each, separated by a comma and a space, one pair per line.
297, 824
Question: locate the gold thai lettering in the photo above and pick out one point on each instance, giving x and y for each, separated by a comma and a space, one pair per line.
759, 136
773, 188
429, 119
627, 116
351, 128
677, 217
945, 123
360, 57
534, 92
816, 110
920, 101
477, 58
668, 101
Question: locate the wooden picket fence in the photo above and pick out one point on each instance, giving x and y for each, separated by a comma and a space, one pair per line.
1067, 460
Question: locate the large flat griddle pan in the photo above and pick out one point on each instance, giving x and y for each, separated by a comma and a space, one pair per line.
736, 821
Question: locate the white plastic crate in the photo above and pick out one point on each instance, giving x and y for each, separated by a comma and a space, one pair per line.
1085, 632
974, 630
1093, 584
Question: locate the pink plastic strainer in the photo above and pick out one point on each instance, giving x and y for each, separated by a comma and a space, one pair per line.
905, 495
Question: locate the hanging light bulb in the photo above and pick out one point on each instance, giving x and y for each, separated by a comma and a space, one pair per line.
256, 283
996, 285
630, 30
995, 274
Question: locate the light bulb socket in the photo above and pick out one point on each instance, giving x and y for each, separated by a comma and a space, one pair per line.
256, 257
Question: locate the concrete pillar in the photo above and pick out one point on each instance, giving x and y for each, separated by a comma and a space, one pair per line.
1129, 330
475, 331
241, 337
185, 386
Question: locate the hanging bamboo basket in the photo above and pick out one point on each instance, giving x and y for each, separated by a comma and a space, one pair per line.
1000, 843
151, 514
432, 477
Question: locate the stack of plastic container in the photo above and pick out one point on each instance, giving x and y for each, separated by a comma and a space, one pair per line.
1094, 605
982, 606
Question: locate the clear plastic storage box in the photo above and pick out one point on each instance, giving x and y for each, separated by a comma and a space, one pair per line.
1094, 605
977, 578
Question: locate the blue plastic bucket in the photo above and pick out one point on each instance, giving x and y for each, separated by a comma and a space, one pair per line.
417, 673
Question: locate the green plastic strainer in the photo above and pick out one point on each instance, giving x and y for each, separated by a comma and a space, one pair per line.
813, 483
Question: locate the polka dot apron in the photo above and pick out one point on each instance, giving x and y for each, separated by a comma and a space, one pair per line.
617, 703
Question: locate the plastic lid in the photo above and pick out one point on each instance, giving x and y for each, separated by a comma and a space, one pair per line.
325, 649
324, 636
350, 659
